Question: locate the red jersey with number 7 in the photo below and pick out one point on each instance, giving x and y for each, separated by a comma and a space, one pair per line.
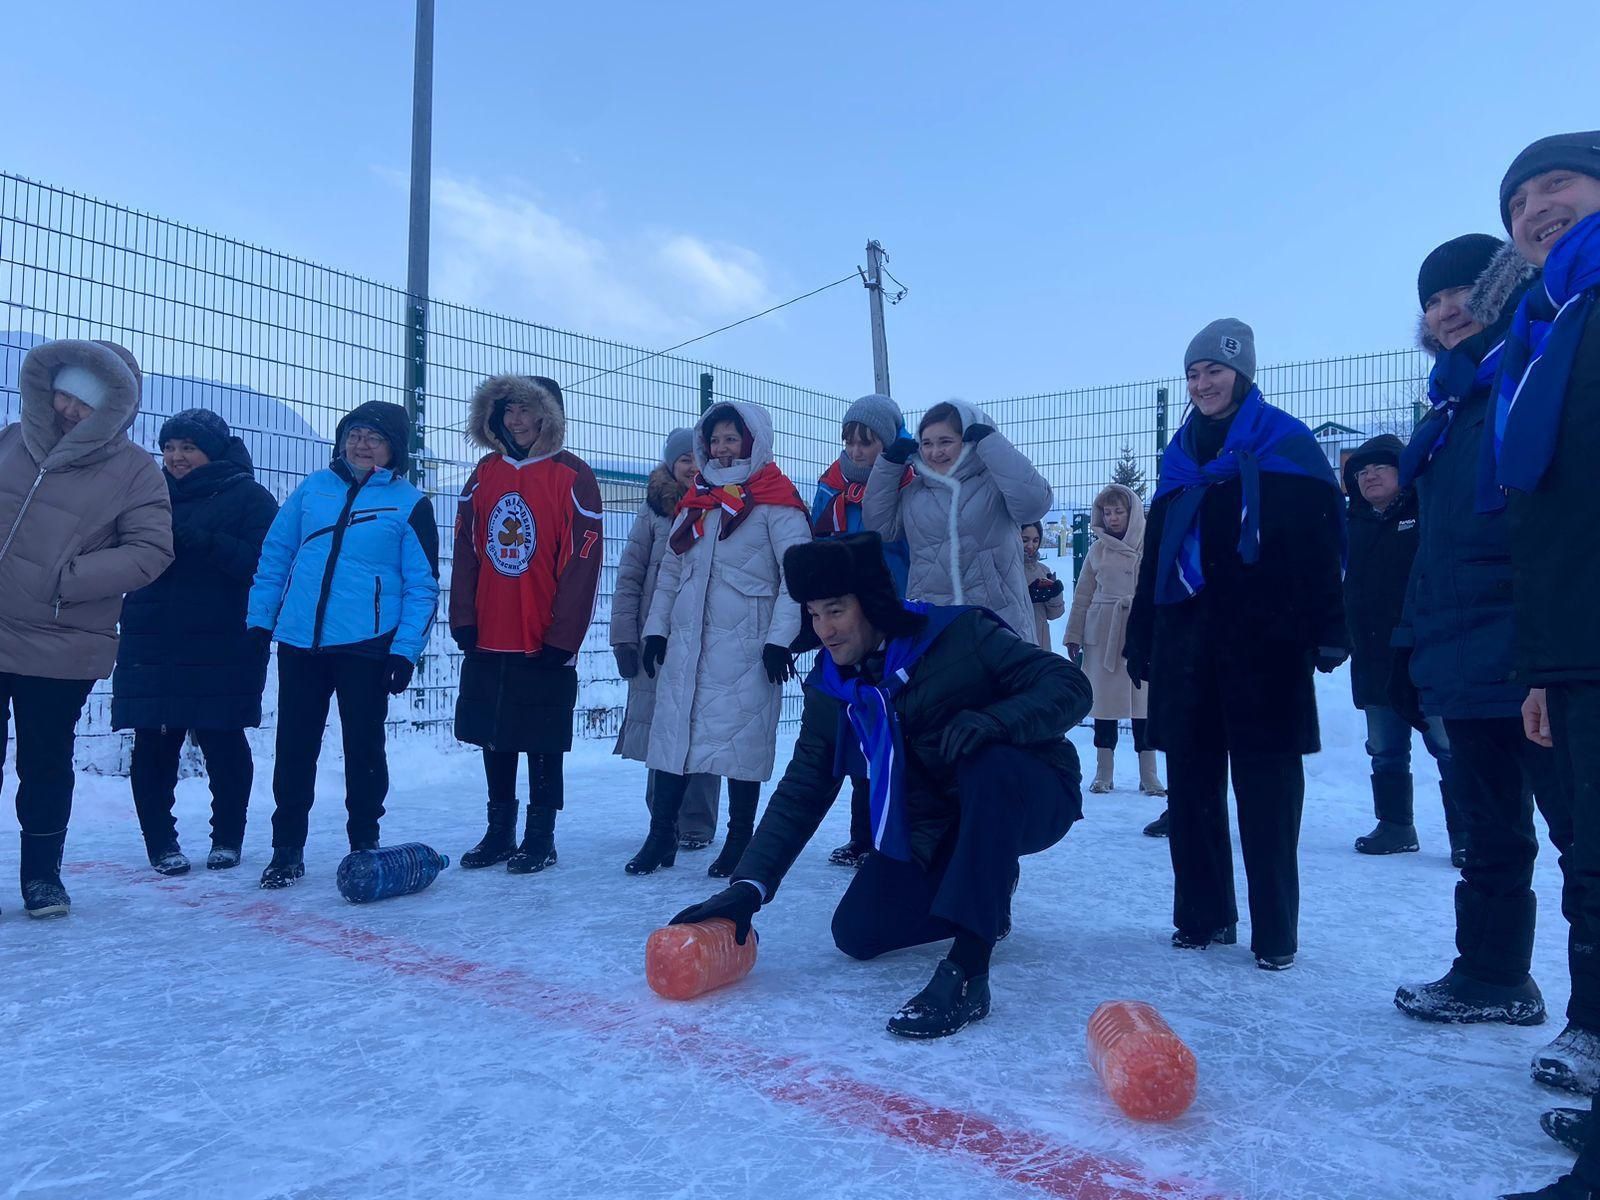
528, 551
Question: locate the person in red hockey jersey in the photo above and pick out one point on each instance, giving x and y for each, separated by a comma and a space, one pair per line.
528, 551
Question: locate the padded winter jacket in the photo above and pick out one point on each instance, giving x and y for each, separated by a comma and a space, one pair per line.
350, 564
637, 572
1382, 549
973, 665
84, 518
962, 528
718, 605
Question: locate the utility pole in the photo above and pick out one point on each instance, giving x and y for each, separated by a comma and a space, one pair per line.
880, 344
417, 254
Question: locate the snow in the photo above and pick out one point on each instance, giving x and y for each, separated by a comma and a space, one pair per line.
493, 1036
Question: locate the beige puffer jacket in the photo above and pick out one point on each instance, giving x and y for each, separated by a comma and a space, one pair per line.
84, 518
718, 605
1100, 606
962, 528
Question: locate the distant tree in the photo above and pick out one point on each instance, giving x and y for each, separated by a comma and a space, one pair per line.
1127, 472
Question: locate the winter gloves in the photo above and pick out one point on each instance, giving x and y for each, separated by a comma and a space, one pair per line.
1403, 695
466, 637
901, 450
398, 674
968, 732
973, 434
737, 904
778, 662
554, 656
1042, 591
627, 656
1330, 658
655, 653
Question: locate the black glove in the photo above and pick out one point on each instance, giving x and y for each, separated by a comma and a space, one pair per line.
968, 732
973, 434
1330, 658
260, 639
778, 662
737, 904
900, 450
190, 541
554, 656
399, 674
466, 637
1403, 695
627, 656
1138, 667
655, 653
1042, 591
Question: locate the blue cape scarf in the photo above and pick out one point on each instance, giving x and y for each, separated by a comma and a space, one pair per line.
1454, 379
1540, 350
869, 711
1261, 439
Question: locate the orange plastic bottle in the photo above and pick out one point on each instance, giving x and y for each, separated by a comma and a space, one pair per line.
685, 961
1146, 1067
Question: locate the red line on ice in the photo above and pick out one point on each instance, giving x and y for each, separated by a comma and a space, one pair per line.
1015, 1155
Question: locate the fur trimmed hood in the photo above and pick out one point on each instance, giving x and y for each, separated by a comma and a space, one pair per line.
1494, 296
663, 492
495, 391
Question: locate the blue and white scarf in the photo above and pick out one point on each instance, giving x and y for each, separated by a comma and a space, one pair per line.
1540, 350
870, 713
1262, 439
1455, 378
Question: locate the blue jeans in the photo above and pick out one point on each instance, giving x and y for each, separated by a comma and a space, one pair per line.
1389, 742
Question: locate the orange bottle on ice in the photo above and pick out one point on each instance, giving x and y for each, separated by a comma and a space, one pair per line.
1146, 1067
685, 961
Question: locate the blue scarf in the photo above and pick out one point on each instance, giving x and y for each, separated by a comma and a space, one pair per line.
1262, 438
869, 711
1540, 350
1455, 378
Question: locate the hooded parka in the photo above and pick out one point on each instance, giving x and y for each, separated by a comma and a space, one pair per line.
719, 604
84, 518
1100, 605
637, 572
962, 527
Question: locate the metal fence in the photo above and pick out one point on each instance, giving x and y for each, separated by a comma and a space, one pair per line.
282, 348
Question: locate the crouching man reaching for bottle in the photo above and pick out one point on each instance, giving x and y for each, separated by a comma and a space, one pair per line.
959, 724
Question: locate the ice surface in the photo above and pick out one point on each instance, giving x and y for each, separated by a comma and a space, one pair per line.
494, 1035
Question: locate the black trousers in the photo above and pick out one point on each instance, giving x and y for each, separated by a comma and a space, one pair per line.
307, 683
861, 812
46, 713
1011, 804
230, 770
1575, 729
546, 780
1105, 735
1499, 775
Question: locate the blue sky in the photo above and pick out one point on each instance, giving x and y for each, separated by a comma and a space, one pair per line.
1070, 190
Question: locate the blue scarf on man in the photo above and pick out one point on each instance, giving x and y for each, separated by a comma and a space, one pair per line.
1455, 378
1540, 350
1261, 439
869, 711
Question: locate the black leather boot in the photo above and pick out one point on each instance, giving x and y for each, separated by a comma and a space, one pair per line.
538, 849
741, 825
499, 841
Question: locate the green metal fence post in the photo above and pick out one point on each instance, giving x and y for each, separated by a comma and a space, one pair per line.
707, 384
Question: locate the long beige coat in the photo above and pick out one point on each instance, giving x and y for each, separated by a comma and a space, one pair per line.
718, 606
84, 519
1100, 606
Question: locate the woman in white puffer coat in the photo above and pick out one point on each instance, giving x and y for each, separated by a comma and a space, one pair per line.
719, 630
960, 515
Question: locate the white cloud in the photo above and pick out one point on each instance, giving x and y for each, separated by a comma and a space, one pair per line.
503, 251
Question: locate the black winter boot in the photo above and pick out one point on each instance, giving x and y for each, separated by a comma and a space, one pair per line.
42, 892
288, 864
1396, 832
1458, 848
1455, 825
1199, 939
947, 1005
1389, 838
660, 847
538, 849
1571, 1062
1158, 827
1459, 999
499, 841
741, 825
1569, 1126
222, 858
170, 861
849, 855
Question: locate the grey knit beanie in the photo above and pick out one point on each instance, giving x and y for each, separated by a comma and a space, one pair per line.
679, 442
1230, 342
879, 414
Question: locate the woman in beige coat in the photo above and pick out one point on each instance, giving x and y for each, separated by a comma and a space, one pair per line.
1044, 589
1098, 624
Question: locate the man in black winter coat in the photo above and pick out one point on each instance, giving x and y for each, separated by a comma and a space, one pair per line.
960, 725
1383, 541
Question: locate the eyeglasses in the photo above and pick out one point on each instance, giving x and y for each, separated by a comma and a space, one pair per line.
365, 437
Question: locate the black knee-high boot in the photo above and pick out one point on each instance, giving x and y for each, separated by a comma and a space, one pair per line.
660, 847
546, 793
743, 796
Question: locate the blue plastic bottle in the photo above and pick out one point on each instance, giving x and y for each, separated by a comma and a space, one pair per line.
368, 875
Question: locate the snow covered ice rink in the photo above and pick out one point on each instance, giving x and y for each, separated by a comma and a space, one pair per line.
494, 1037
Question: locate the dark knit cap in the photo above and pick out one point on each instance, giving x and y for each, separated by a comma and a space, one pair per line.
852, 565
1457, 263
1383, 450
198, 425
391, 420
1578, 152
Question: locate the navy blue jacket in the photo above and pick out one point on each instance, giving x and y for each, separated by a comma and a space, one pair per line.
184, 661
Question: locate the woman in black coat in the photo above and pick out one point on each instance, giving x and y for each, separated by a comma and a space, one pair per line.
185, 662
1239, 597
